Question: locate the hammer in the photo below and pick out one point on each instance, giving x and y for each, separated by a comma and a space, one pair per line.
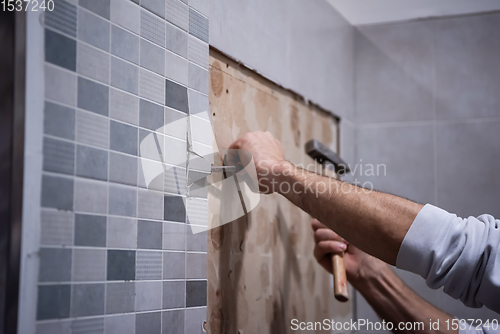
331, 161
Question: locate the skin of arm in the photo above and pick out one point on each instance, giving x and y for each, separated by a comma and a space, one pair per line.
391, 298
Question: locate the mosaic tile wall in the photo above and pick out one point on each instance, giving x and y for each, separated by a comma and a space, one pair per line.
117, 254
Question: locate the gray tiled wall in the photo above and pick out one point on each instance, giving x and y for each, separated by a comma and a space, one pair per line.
116, 257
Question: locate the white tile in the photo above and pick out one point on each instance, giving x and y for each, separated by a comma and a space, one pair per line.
176, 68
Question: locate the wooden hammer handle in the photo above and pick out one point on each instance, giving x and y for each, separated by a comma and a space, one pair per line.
339, 278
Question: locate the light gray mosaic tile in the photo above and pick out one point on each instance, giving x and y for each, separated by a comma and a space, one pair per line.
124, 44
155, 6
176, 68
121, 233
174, 295
198, 78
198, 51
92, 63
201, 6
60, 85
87, 300
122, 169
148, 296
177, 40
174, 236
89, 265
174, 265
196, 265
122, 200
177, 13
152, 57
91, 196
123, 106
59, 121
148, 265
152, 86
122, 324
124, 75
126, 14
57, 192
101, 7
198, 25
150, 204
58, 156
174, 321
93, 30
201, 131
56, 228
92, 129
198, 104
120, 298
88, 326
62, 18
152, 28
197, 211
175, 180
93, 96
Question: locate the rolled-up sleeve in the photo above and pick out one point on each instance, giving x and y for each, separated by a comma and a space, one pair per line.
459, 254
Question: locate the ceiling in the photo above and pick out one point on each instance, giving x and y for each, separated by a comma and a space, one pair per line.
360, 12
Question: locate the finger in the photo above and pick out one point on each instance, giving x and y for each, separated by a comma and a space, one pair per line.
323, 248
316, 224
323, 234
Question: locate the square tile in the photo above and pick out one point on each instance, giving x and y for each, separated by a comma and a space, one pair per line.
93, 96
174, 294
196, 293
58, 156
122, 169
174, 236
148, 323
198, 187
176, 68
201, 131
153, 170
59, 121
123, 138
124, 44
198, 78
58, 327
198, 25
93, 63
196, 265
93, 30
196, 242
177, 13
123, 324
175, 124
151, 115
92, 129
152, 86
53, 302
86, 326
90, 230
201, 164
152, 57
60, 50
91, 163
122, 200
174, 265
120, 297
174, 207
122, 233
176, 96
101, 7
153, 28
173, 322
91, 196
155, 6
198, 51
123, 106
148, 296
148, 265
150, 204
126, 14
149, 234
55, 265
57, 192
151, 147
201, 6
177, 40
89, 265
87, 300
194, 320
57, 228
175, 180
60, 85
198, 104
124, 75
62, 18
121, 265
197, 211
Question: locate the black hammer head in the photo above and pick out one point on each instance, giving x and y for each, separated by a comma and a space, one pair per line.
322, 153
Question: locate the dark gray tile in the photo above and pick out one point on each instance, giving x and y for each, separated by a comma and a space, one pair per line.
90, 230
87, 300
91, 162
148, 323
124, 44
198, 25
123, 138
177, 40
174, 265
101, 7
59, 121
150, 115
196, 265
122, 200
60, 50
58, 156
124, 75
152, 57
149, 234
53, 302
62, 18
57, 192
155, 6
122, 169
93, 30
176, 96
196, 242
174, 209
120, 297
55, 265
121, 265
196, 293
173, 322
198, 78
93, 96
174, 294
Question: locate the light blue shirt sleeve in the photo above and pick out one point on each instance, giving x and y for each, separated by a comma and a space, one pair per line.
459, 254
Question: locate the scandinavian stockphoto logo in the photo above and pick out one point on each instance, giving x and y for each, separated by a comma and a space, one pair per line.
185, 165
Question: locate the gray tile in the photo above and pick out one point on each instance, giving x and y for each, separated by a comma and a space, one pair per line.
92, 129
123, 138
175, 152
154, 173
150, 204
59, 327
93, 30
175, 123
122, 169
155, 6
196, 265
150, 115
201, 131
57, 192
55, 265
201, 164
152, 28
173, 322
148, 323
60, 85
148, 296
198, 51
196, 242
88, 326
174, 294
120, 297
123, 324
175, 180
122, 200
91, 163
177, 40
122, 233
53, 302
93, 96
87, 300
92, 63
121, 265
124, 106
152, 86
174, 236
176, 68
58, 156
149, 234
62, 18
174, 207
199, 188
90, 230
152, 57
174, 265
198, 104
196, 293
201, 6
195, 319
59, 121
176, 96
57, 228
151, 147
124, 44
89, 265
91, 196
198, 78
126, 14
101, 7
198, 25
148, 265
197, 211
60, 50
177, 13
124, 75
